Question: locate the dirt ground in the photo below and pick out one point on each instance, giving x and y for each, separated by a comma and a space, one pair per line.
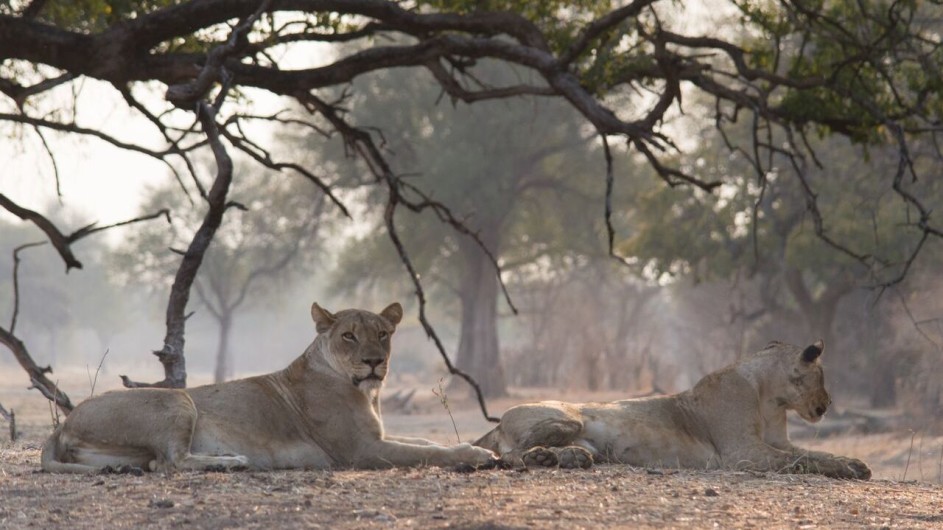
906, 491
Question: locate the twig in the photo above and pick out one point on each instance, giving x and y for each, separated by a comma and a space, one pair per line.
610, 180
939, 466
10, 417
93, 382
910, 452
91, 229
16, 281
444, 399
54, 404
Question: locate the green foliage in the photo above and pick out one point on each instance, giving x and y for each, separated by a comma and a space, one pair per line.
877, 58
561, 22
96, 15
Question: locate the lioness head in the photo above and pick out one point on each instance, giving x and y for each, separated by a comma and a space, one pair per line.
805, 390
359, 342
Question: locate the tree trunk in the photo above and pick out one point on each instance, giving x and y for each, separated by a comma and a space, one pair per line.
883, 388
223, 366
478, 351
172, 354
818, 312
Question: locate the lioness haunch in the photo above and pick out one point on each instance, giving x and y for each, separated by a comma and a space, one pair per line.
320, 412
734, 418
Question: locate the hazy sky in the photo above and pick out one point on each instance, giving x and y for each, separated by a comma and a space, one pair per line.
100, 181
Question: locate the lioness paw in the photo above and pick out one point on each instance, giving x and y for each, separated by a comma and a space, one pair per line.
574, 456
472, 458
540, 456
480, 456
858, 469
843, 468
122, 470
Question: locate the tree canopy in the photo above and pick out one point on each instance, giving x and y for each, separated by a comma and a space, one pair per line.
519, 174
791, 70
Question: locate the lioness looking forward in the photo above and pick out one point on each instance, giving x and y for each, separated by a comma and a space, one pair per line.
320, 412
734, 418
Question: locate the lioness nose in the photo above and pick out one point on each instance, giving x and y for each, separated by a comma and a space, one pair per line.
372, 363
820, 410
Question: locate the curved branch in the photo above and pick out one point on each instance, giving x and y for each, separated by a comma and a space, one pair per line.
363, 144
185, 95
57, 238
16, 281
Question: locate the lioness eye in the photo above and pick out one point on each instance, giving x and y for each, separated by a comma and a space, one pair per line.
384, 335
349, 336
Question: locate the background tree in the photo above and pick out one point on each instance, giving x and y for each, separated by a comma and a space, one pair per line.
256, 253
765, 235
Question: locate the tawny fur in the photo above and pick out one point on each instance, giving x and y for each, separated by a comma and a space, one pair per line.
734, 418
322, 411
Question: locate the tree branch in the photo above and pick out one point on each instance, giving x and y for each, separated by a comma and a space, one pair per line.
171, 355
58, 240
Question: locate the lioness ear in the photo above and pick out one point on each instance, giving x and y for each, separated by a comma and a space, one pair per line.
323, 319
810, 354
393, 313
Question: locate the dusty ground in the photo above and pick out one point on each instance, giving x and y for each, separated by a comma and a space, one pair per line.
605, 497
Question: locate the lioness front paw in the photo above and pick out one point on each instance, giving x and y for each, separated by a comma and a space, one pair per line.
855, 469
574, 456
125, 469
540, 457
478, 457
838, 467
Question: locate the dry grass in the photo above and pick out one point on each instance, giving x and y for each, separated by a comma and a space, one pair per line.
604, 497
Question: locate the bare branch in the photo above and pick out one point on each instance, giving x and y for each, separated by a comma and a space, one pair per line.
610, 231
91, 229
363, 144
454, 89
389, 218
69, 128
264, 157
187, 94
33, 9
58, 240
8, 337
601, 25
171, 355
19, 94
16, 281
37, 375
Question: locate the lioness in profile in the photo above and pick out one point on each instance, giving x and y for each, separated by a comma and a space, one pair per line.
320, 412
734, 418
